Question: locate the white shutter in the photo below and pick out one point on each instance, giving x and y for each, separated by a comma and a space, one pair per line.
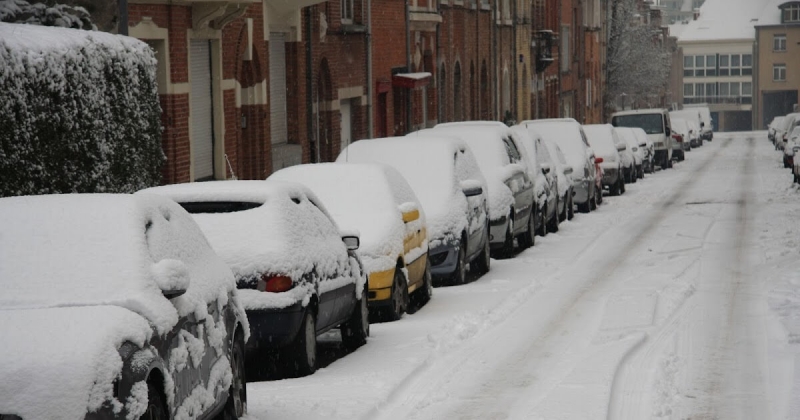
202, 113
279, 130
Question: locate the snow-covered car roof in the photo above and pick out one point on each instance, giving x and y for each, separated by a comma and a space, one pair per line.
103, 249
434, 166
641, 136
486, 142
365, 197
640, 111
566, 133
274, 228
679, 125
601, 137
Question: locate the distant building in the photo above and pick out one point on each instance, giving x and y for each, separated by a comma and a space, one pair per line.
718, 65
677, 11
778, 58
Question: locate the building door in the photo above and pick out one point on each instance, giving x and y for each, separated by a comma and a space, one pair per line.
347, 124
279, 130
202, 110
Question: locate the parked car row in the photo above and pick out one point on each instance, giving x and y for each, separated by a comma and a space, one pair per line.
167, 299
784, 133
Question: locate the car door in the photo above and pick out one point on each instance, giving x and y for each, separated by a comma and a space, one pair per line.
413, 239
544, 158
521, 186
328, 309
476, 212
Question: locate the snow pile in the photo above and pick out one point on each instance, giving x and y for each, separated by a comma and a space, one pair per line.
435, 168
372, 200
288, 233
84, 274
63, 15
79, 112
486, 142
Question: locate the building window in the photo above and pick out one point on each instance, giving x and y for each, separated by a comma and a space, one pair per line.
736, 62
779, 42
699, 90
347, 11
747, 89
779, 72
747, 64
711, 89
688, 66
735, 90
688, 89
711, 65
724, 65
724, 89
791, 13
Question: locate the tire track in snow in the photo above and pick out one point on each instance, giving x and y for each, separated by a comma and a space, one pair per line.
516, 376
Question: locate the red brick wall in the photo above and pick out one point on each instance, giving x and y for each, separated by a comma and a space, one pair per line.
175, 138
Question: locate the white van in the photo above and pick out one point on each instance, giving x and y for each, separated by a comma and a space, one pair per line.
705, 119
654, 122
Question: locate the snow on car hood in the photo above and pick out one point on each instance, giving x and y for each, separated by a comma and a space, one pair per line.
368, 202
60, 363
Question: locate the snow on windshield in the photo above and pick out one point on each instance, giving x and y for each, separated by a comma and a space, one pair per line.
602, 140
369, 202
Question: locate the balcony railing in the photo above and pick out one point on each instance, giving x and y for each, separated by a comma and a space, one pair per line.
731, 100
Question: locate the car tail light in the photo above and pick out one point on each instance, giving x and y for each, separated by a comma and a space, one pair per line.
274, 284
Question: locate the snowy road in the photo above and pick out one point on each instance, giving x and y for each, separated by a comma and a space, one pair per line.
678, 300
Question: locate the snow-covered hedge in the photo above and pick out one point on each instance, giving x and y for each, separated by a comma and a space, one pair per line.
79, 112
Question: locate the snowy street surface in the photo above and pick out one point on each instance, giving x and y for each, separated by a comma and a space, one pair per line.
678, 300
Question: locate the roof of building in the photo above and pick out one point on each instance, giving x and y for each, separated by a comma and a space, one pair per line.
724, 20
771, 15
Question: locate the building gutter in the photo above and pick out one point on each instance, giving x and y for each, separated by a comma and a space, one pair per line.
409, 92
370, 116
312, 139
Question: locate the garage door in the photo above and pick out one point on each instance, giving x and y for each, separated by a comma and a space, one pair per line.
202, 111
277, 87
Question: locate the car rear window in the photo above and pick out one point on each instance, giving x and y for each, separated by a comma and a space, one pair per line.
219, 206
650, 123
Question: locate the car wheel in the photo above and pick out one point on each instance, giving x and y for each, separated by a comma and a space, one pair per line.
669, 164
543, 223
356, 330
399, 301
304, 348
528, 238
599, 198
614, 189
571, 208
508, 244
585, 207
424, 293
156, 406
484, 261
621, 187
236, 405
666, 163
459, 276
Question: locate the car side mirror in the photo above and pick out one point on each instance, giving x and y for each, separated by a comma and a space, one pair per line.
410, 211
568, 170
545, 170
668, 132
471, 188
642, 144
621, 147
172, 277
352, 242
702, 124
598, 160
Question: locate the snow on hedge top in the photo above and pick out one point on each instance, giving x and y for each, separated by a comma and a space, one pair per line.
362, 197
104, 249
566, 133
601, 138
486, 142
60, 363
434, 167
282, 229
40, 39
724, 20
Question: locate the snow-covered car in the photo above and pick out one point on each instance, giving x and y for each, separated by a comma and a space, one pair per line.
694, 119
562, 171
376, 201
791, 150
542, 170
695, 136
706, 123
783, 130
646, 145
569, 135
607, 145
626, 156
445, 177
512, 209
636, 148
773, 126
115, 307
680, 146
298, 276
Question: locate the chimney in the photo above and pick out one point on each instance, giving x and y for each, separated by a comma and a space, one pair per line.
696, 13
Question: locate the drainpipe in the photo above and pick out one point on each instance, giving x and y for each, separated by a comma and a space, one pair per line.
123, 17
312, 140
478, 61
493, 26
560, 57
410, 92
515, 56
370, 116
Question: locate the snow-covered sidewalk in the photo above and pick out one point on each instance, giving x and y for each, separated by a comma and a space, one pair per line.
677, 300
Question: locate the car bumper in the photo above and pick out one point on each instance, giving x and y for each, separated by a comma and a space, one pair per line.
497, 232
444, 259
273, 328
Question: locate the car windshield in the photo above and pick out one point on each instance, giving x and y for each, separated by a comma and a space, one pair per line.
650, 123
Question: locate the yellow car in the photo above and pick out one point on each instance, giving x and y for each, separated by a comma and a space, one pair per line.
376, 201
